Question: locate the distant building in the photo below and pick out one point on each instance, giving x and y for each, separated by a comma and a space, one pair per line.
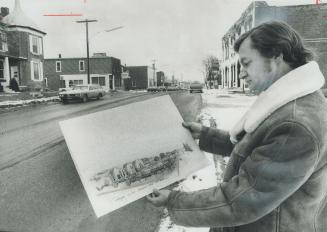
21, 49
66, 72
309, 20
160, 78
141, 77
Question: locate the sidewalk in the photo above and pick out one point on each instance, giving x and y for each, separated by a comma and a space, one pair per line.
222, 109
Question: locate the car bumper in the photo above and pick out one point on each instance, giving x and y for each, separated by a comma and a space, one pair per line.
68, 97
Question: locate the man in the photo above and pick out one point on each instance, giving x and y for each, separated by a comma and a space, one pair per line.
276, 178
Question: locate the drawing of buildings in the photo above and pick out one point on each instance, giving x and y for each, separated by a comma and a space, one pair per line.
140, 170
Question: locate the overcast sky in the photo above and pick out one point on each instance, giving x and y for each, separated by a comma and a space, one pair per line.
178, 34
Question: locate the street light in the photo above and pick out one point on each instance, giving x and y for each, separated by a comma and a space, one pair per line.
113, 29
87, 43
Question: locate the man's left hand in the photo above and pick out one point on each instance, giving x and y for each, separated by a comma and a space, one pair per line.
159, 197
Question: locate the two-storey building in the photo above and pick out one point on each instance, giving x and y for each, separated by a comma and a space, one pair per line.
21, 49
66, 72
141, 77
309, 20
161, 78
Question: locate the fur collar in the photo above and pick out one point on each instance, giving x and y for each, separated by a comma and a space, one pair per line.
297, 83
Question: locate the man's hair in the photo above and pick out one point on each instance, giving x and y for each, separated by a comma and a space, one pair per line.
274, 38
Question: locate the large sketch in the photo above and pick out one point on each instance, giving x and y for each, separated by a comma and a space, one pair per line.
121, 154
140, 171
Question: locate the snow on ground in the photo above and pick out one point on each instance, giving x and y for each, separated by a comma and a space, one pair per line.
220, 109
4, 104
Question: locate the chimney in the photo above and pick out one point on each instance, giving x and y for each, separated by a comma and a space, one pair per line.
4, 11
100, 54
59, 55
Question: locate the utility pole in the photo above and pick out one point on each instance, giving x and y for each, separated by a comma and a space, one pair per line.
154, 72
87, 21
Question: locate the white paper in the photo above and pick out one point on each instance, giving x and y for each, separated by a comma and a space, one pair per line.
103, 142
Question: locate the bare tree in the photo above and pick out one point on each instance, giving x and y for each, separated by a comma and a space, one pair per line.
211, 69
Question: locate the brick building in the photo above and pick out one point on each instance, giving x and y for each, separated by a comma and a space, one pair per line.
65, 72
161, 78
309, 20
141, 77
21, 49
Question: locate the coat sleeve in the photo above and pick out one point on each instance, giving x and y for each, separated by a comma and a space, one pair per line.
273, 172
215, 141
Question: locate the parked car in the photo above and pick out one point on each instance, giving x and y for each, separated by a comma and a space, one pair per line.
173, 88
152, 89
196, 87
162, 88
82, 92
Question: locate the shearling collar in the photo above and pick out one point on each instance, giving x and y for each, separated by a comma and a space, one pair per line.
297, 83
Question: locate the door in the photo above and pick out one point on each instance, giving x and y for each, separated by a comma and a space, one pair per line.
111, 82
14, 73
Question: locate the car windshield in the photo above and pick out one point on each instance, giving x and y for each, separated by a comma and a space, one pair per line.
79, 87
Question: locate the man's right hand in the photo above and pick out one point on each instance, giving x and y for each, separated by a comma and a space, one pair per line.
194, 127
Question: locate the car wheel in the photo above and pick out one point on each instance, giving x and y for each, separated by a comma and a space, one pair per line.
190, 91
85, 98
64, 101
99, 96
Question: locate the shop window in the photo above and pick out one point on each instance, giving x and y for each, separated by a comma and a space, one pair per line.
102, 81
62, 84
99, 80
78, 82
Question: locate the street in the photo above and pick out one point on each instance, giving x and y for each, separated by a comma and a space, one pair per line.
40, 188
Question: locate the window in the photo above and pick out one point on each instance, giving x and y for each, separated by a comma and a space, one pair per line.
99, 80
78, 82
36, 71
1, 70
3, 42
58, 66
133, 83
35, 45
102, 81
95, 80
62, 84
81, 65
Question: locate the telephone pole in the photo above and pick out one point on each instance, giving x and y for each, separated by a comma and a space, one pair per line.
87, 21
154, 72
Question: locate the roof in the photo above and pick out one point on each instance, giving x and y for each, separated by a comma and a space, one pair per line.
81, 58
18, 18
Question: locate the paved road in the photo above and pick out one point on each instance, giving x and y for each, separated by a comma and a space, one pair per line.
39, 187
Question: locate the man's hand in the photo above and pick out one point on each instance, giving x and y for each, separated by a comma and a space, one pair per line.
194, 127
159, 197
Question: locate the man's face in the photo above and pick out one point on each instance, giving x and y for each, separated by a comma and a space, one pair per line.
259, 72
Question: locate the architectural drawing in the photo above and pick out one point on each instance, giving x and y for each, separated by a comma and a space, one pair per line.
140, 171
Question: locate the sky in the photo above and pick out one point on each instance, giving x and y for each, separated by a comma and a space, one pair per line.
177, 34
